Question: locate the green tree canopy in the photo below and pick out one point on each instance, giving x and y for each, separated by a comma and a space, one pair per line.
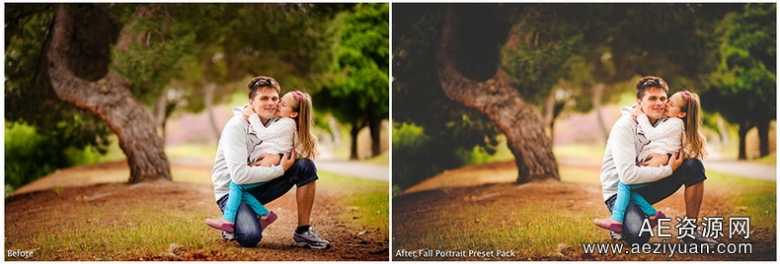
743, 86
356, 91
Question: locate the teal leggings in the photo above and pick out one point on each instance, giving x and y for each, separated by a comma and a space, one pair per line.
239, 193
624, 196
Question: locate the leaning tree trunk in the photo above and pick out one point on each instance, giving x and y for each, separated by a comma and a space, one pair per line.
549, 115
598, 94
209, 102
763, 138
159, 112
743, 129
496, 98
110, 99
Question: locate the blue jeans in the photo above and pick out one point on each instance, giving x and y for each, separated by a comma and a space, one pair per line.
691, 172
240, 193
248, 231
624, 196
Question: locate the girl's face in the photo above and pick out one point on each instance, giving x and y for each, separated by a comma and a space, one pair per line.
675, 106
286, 106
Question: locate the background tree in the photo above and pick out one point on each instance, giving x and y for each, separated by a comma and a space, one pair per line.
743, 85
40, 128
161, 57
357, 91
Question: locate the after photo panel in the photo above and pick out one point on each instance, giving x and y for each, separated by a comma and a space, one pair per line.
584, 132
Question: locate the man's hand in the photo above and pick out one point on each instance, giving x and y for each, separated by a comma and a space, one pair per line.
247, 112
676, 160
288, 160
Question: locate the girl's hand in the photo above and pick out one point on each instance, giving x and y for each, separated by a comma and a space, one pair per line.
247, 112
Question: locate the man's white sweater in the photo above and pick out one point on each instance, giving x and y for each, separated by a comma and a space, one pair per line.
620, 157
232, 160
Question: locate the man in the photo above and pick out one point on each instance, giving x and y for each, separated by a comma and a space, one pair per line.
231, 163
620, 164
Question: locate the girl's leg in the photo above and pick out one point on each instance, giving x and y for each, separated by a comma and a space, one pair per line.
253, 203
234, 200
643, 204
621, 202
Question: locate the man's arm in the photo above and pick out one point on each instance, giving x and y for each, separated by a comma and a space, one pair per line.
621, 142
234, 144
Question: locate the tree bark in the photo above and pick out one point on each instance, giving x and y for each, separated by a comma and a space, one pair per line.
159, 109
496, 98
743, 129
110, 99
209, 102
375, 128
763, 138
549, 115
722, 131
353, 138
335, 133
598, 95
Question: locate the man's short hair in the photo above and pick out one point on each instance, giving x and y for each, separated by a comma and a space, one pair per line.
262, 82
648, 82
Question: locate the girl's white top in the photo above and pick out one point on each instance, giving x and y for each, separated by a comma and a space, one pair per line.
665, 137
277, 138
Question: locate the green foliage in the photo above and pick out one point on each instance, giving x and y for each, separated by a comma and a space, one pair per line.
24, 153
409, 141
357, 86
746, 72
536, 55
418, 154
30, 154
152, 64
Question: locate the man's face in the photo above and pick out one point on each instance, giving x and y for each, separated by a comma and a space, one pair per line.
265, 103
653, 103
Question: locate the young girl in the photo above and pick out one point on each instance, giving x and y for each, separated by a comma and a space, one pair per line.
295, 121
684, 117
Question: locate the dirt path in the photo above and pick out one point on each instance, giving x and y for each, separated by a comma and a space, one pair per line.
164, 221
355, 169
478, 207
743, 168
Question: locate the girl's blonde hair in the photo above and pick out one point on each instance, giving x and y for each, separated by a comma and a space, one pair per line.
694, 141
306, 143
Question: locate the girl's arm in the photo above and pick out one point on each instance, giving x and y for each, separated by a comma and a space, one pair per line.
671, 128
278, 137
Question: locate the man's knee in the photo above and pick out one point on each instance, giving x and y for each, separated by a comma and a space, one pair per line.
304, 165
632, 226
248, 238
248, 229
692, 172
304, 171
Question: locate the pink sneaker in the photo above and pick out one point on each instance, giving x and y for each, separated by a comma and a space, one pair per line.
221, 224
267, 220
609, 224
654, 218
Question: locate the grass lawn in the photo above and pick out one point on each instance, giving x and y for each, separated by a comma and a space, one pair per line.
368, 202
